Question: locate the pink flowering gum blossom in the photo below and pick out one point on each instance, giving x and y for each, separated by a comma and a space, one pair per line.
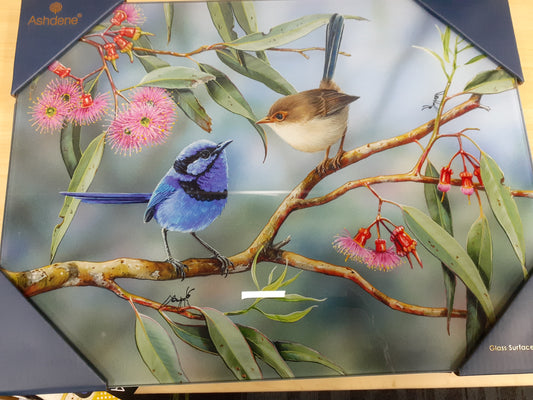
351, 247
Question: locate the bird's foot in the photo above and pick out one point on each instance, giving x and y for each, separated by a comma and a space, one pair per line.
225, 263
322, 168
180, 267
336, 161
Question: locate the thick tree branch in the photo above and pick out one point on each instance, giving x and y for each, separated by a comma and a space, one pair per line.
104, 274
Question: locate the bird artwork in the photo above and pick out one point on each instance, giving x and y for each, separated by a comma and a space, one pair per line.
314, 120
190, 196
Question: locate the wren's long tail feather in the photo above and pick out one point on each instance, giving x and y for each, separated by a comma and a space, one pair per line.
333, 41
110, 198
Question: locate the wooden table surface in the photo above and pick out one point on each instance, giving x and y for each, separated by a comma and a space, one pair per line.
521, 10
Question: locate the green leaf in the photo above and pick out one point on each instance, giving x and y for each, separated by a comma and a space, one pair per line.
283, 33
168, 9
437, 57
292, 351
158, 351
244, 12
189, 104
445, 37
291, 317
290, 297
476, 322
196, 336
438, 205
257, 69
263, 348
277, 283
254, 269
81, 179
491, 82
437, 202
445, 248
479, 248
175, 77
503, 206
231, 344
476, 59
222, 16
225, 93
245, 15
69, 143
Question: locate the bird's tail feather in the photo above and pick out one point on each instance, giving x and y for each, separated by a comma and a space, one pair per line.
333, 41
110, 198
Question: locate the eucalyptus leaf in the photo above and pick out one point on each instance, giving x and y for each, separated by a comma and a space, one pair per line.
222, 16
445, 248
479, 248
291, 317
476, 59
190, 105
491, 82
283, 33
503, 206
81, 179
292, 351
438, 205
263, 348
196, 336
231, 344
257, 69
244, 12
158, 351
168, 9
69, 143
225, 93
437, 57
175, 77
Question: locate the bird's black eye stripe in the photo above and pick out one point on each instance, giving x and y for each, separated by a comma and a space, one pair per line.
180, 166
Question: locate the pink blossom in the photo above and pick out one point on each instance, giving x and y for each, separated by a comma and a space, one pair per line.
350, 247
382, 258
134, 14
138, 126
91, 111
68, 92
49, 113
155, 97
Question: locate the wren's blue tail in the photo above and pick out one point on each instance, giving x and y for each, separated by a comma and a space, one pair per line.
333, 42
110, 198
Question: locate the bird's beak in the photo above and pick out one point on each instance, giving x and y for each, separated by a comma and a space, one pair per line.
222, 145
266, 120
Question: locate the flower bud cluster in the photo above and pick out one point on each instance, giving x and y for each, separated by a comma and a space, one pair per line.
380, 257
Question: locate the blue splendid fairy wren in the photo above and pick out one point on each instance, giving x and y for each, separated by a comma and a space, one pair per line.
314, 120
188, 198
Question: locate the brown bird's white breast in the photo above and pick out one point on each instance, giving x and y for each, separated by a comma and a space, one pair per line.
313, 135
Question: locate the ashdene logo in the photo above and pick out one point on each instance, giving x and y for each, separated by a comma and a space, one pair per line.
55, 8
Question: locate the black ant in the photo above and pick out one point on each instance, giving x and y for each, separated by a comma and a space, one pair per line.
436, 101
182, 301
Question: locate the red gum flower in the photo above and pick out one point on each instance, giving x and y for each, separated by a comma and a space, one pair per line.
467, 186
405, 245
124, 45
110, 51
353, 248
119, 16
382, 258
445, 179
59, 69
133, 33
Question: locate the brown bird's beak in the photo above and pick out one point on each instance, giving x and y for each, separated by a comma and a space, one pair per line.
265, 120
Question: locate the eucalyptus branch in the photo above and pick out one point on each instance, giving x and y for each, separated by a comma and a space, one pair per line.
103, 274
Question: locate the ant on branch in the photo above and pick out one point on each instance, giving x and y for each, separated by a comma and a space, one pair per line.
436, 101
182, 301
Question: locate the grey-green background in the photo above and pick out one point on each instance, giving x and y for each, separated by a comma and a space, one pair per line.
393, 79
